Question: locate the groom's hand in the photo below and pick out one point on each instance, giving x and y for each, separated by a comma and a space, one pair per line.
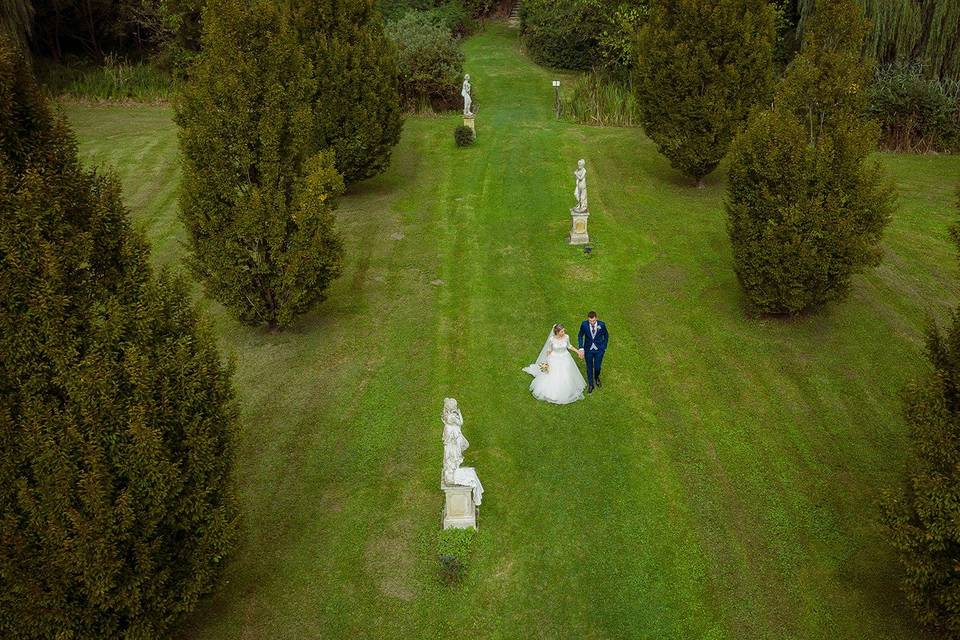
580, 353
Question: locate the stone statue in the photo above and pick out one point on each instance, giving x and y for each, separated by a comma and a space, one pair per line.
454, 444
467, 100
580, 192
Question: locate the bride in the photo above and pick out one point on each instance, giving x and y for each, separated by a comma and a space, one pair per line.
556, 377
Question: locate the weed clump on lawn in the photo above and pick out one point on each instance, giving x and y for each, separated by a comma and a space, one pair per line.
453, 552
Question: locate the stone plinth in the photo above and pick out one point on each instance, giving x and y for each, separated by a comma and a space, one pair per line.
470, 121
578, 232
459, 510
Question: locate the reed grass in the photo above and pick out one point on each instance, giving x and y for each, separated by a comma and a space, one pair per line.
596, 99
116, 81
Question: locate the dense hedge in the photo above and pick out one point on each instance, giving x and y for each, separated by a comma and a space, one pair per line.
561, 33
429, 60
581, 34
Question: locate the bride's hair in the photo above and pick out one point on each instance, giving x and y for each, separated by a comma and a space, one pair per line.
557, 328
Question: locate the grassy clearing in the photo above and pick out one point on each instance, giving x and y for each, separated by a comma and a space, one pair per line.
722, 485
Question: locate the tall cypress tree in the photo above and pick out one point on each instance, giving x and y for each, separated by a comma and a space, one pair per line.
257, 200
357, 97
701, 66
806, 207
923, 517
117, 416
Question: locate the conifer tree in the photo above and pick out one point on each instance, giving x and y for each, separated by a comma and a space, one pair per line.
257, 199
923, 517
806, 208
701, 66
117, 416
356, 99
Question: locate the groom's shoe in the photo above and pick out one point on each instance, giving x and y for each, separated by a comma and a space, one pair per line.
598, 383
590, 390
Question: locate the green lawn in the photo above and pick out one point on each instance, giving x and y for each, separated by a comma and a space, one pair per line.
722, 484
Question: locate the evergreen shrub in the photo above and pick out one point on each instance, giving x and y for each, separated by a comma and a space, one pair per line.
117, 416
702, 65
463, 136
806, 207
922, 518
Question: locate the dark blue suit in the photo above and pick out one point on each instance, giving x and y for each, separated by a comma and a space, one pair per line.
593, 357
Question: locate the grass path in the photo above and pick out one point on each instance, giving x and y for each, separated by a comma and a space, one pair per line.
722, 485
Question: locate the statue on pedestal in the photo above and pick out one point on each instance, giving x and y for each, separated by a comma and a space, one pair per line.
579, 213
467, 100
454, 444
580, 191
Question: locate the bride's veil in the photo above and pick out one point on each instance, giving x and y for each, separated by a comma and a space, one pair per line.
534, 369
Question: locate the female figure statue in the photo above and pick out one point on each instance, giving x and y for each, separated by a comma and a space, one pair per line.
467, 100
580, 192
454, 444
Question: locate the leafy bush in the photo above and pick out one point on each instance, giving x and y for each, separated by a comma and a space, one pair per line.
922, 517
471, 9
561, 33
916, 113
582, 34
598, 99
257, 200
429, 60
464, 136
453, 17
117, 416
806, 208
454, 547
702, 65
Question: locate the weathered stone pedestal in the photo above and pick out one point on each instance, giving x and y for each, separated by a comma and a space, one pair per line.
578, 232
470, 121
459, 510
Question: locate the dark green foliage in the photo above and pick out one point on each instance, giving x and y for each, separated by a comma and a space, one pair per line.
453, 17
702, 65
463, 136
117, 417
430, 63
16, 20
923, 517
470, 9
806, 209
257, 200
915, 112
908, 31
356, 95
562, 33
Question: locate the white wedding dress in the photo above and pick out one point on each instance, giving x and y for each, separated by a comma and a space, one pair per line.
562, 383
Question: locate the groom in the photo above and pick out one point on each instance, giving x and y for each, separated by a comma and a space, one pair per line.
592, 344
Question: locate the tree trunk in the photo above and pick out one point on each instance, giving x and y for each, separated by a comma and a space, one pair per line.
701, 184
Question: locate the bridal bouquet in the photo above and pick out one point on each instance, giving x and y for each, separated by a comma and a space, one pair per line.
544, 367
